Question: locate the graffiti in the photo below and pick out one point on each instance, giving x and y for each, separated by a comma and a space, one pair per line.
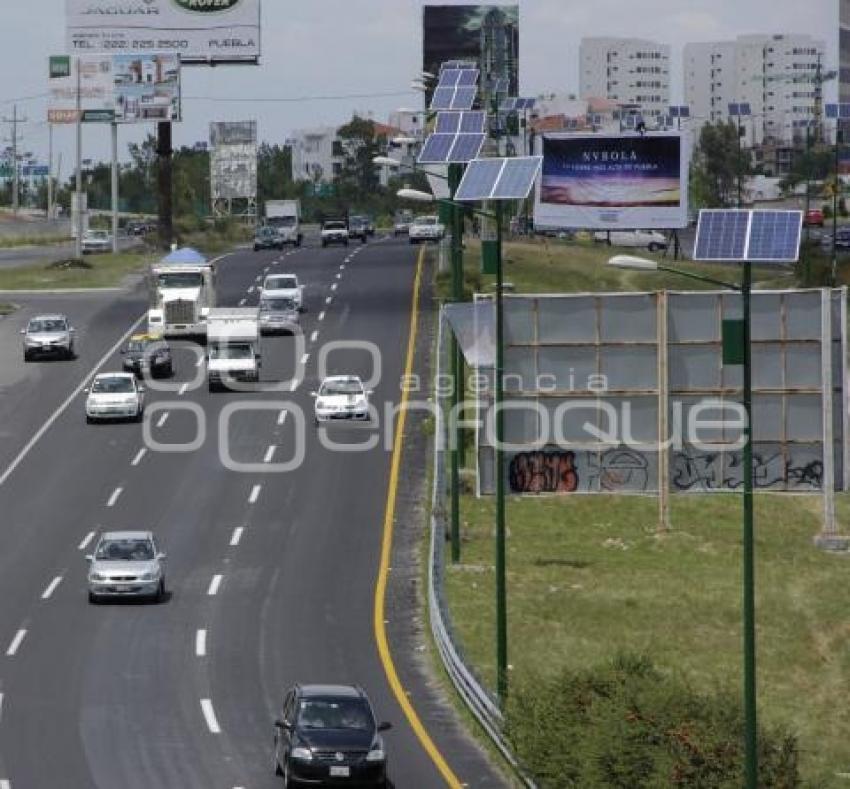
619, 469
543, 472
695, 471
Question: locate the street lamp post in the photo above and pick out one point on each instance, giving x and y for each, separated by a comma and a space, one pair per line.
748, 602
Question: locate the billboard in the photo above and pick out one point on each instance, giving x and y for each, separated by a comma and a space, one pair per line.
233, 160
200, 31
115, 88
612, 181
487, 34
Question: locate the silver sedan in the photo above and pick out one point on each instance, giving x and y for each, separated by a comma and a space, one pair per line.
126, 564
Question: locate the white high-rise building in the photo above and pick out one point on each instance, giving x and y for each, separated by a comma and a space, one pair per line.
629, 71
774, 74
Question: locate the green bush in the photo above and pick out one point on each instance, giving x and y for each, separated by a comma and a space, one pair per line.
628, 725
827, 211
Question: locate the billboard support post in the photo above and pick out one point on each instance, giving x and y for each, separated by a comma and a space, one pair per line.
49, 171
115, 188
163, 149
78, 241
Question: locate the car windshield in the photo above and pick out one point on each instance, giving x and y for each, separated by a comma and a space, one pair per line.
144, 346
96, 234
46, 325
114, 385
277, 305
426, 220
334, 225
286, 221
335, 714
188, 279
334, 388
266, 231
232, 351
125, 550
281, 283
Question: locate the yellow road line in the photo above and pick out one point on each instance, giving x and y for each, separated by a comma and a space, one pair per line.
386, 549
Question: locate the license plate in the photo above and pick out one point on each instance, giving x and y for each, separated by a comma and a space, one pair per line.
340, 772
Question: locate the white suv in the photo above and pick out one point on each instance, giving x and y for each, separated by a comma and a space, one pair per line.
283, 286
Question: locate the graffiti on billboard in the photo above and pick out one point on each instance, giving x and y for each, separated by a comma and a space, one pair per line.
543, 472
705, 471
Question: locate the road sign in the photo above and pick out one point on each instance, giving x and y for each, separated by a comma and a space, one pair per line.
62, 116
98, 116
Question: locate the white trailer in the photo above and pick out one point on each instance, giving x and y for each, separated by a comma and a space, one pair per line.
233, 345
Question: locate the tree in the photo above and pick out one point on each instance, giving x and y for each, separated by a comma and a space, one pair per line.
274, 173
360, 145
718, 166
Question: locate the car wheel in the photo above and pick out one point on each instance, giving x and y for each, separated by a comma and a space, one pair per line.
256, 248
27, 356
160, 592
89, 420
653, 247
324, 243
140, 415
93, 600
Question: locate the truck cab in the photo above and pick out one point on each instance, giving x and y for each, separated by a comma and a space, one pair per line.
181, 295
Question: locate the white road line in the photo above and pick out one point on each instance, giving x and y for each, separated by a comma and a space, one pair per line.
1, 716
16, 643
209, 716
5, 784
269, 454
86, 540
139, 455
70, 399
214, 584
294, 387
266, 270
114, 497
45, 595
305, 358
338, 275
251, 289
255, 494
258, 278
321, 316
281, 417
314, 336
334, 286
162, 420
342, 267
329, 299
242, 302
201, 643
184, 388
237, 536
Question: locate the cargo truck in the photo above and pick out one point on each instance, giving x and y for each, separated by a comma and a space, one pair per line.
285, 217
233, 346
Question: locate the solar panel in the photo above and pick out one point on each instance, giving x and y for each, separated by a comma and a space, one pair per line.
466, 147
525, 104
468, 77
831, 110
744, 109
501, 179
464, 98
479, 179
442, 99
684, 112
508, 104
836, 111
448, 122
775, 236
449, 78
734, 110
721, 234
436, 149
472, 122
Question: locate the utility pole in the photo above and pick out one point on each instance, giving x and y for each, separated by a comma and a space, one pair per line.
49, 171
164, 151
15, 139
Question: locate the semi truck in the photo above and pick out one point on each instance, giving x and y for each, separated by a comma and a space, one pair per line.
233, 346
285, 217
181, 296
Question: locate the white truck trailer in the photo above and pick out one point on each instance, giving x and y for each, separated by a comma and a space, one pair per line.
233, 345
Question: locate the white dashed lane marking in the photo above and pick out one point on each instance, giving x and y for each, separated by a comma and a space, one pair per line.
51, 587
162, 420
305, 358
255, 494
314, 336
269, 454
281, 417
184, 389
114, 497
329, 299
86, 540
16, 643
334, 286
321, 316
139, 455
242, 302
215, 583
201, 643
209, 716
237, 536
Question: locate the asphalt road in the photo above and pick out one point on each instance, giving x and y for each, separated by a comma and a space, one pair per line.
277, 570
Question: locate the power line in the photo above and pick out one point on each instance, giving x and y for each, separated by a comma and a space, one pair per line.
20, 99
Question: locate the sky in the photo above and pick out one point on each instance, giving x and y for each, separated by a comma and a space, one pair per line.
323, 60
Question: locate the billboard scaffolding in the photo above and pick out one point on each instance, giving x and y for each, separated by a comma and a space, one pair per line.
233, 168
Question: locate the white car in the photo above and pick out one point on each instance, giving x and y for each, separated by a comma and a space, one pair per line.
341, 397
643, 239
115, 396
426, 228
283, 286
96, 241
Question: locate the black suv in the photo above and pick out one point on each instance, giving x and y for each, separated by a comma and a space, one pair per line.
327, 735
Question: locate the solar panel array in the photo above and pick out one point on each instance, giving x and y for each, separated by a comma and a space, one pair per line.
737, 235
740, 110
456, 89
443, 148
836, 111
680, 111
499, 179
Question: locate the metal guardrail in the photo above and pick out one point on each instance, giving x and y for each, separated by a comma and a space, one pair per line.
480, 702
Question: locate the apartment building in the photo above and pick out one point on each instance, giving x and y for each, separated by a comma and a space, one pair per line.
774, 74
317, 154
630, 71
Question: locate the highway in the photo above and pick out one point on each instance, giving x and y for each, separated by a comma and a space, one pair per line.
271, 573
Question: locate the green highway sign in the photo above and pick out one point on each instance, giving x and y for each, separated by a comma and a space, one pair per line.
5, 171
60, 66
98, 116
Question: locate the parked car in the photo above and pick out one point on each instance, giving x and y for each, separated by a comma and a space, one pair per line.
115, 396
813, 218
278, 314
126, 564
341, 397
334, 231
96, 241
328, 735
842, 238
426, 228
267, 237
48, 335
148, 354
643, 239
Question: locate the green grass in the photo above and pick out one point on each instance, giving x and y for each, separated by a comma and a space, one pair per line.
6, 309
588, 575
550, 266
28, 241
105, 271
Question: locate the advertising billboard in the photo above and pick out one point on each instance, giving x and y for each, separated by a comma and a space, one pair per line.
486, 34
612, 182
199, 31
115, 88
233, 160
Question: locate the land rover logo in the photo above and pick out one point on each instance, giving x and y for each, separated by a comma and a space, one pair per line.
206, 6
